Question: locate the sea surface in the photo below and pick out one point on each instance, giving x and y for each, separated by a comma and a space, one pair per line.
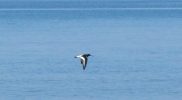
137, 54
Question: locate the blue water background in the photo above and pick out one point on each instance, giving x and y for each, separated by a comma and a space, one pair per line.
137, 54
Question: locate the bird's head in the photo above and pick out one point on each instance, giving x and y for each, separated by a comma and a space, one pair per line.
89, 55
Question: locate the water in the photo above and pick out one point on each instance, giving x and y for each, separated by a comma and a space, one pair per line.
136, 54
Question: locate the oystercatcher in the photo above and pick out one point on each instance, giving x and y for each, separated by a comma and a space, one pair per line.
83, 59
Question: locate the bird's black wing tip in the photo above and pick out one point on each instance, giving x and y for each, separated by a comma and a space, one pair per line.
84, 67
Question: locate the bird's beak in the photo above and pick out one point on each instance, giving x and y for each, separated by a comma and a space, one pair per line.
75, 57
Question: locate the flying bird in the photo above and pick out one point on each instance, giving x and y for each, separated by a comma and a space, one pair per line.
83, 59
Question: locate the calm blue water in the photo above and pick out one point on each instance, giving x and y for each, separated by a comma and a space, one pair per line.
136, 54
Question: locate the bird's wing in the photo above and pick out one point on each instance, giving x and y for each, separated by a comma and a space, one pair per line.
84, 62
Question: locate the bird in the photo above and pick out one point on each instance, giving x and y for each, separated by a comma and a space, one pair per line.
83, 59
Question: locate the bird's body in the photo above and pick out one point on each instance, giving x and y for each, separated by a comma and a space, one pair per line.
83, 59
